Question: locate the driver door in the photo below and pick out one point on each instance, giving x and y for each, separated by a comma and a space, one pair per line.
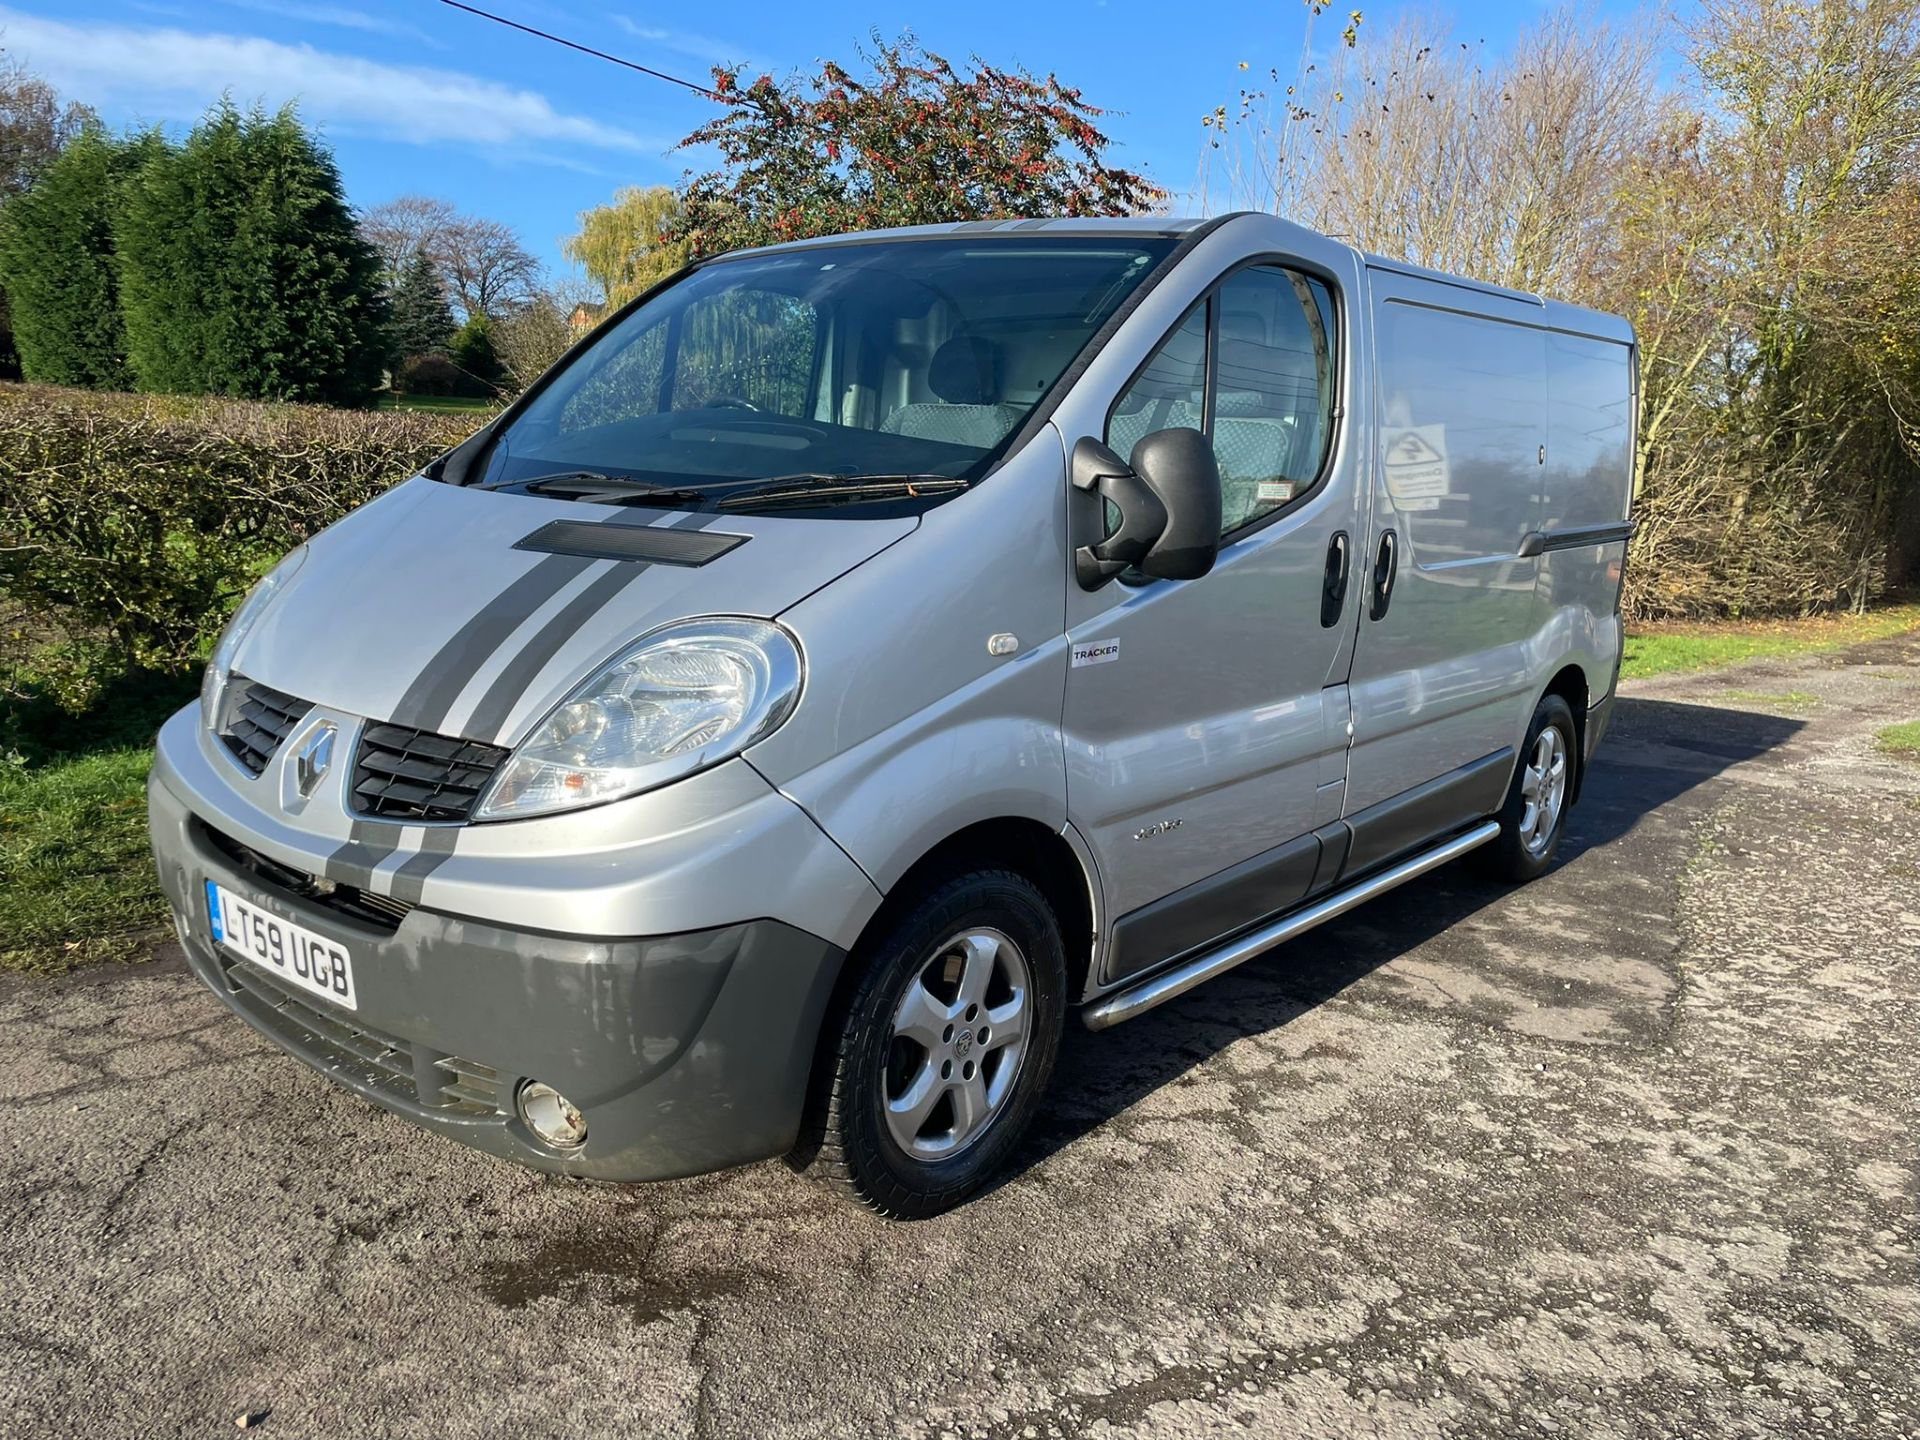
1206, 720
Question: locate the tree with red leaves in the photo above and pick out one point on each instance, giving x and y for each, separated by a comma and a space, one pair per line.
918, 141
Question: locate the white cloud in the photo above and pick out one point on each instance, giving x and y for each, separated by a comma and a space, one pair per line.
177, 74
685, 42
341, 16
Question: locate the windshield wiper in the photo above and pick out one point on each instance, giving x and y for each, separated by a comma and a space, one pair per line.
807, 488
594, 488
816, 489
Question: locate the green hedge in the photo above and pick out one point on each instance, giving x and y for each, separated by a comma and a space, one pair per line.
130, 525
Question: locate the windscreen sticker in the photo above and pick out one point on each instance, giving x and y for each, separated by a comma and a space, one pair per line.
1095, 652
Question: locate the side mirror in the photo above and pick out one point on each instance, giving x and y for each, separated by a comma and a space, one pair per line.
1103, 484
1167, 503
1180, 468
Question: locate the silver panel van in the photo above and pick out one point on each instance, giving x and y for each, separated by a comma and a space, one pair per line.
859, 654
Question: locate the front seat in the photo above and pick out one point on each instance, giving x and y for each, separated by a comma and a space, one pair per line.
965, 374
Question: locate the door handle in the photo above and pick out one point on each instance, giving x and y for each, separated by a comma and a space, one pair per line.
1384, 567
1333, 589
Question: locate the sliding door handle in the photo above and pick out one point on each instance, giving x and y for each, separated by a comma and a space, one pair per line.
1384, 567
1333, 589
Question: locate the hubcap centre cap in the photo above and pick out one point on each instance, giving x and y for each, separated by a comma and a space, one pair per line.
962, 1043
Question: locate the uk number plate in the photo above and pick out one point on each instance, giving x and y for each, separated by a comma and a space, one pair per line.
293, 953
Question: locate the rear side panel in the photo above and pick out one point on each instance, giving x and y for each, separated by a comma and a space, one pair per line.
1444, 677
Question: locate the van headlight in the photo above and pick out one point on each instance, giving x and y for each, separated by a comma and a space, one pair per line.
683, 698
213, 684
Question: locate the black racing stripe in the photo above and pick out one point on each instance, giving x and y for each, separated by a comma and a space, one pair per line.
491, 714
505, 691
687, 520
353, 863
641, 515
424, 706
675, 519
410, 880
427, 700
371, 843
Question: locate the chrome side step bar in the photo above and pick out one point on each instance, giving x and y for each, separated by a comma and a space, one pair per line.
1157, 990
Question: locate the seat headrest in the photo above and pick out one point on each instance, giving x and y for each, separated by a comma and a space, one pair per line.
965, 371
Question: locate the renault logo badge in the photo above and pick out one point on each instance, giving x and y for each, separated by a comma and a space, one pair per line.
313, 759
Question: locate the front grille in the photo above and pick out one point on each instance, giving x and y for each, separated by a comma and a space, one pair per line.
259, 719
382, 912
403, 774
362, 1054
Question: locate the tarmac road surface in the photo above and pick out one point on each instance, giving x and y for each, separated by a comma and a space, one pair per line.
1628, 1152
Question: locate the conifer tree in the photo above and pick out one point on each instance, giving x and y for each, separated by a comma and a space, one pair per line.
473, 352
242, 272
422, 322
57, 264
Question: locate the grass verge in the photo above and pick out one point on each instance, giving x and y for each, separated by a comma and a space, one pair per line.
76, 880
1902, 740
440, 404
1667, 648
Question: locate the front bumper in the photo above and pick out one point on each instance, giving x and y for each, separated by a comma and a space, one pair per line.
686, 1052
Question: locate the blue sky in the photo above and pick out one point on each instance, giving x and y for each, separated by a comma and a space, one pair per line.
417, 97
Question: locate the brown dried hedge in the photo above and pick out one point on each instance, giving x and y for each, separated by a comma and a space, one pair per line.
132, 524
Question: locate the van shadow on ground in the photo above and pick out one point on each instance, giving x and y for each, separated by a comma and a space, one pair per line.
1656, 752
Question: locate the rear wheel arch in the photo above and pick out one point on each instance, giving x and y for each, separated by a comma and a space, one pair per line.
1533, 820
1570, 684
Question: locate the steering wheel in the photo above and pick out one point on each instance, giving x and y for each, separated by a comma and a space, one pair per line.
731, 402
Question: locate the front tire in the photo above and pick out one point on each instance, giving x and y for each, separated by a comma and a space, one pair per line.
946, 1042
1535, 813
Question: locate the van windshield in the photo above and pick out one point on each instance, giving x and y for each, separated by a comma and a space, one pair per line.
873, 377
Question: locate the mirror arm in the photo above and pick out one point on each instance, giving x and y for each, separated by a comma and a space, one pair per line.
1100, 474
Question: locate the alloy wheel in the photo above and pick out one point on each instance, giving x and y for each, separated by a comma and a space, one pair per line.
959, 1038
1543, 789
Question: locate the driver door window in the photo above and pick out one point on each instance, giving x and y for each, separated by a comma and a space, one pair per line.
1265, 401
1169, 393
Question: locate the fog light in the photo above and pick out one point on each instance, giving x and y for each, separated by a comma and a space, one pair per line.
552, 1117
